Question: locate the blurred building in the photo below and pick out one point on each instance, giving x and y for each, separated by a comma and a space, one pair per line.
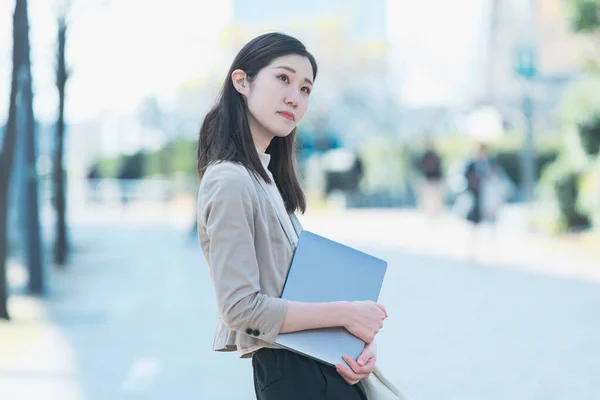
556, 49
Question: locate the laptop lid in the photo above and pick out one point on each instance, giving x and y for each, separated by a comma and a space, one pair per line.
323, 270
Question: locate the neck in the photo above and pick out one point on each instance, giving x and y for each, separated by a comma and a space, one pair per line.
260, 136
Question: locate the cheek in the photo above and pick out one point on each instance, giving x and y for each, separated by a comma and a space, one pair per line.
260, 100
256, 106
301, 109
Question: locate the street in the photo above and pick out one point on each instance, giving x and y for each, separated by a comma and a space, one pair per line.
133, 317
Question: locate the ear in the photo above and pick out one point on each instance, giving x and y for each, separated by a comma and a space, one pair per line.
240, 81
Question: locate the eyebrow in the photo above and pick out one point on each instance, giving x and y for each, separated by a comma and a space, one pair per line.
292, 70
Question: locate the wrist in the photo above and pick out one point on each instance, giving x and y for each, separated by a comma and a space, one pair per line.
343, 313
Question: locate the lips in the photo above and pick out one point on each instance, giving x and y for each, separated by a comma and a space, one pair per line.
287, 115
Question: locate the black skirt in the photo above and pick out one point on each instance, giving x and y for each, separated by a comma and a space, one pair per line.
285, 375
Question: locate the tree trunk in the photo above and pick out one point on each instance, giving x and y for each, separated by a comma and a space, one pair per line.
8, 149
61, 243
33, 243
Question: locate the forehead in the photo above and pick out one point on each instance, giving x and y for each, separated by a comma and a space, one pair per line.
300, 64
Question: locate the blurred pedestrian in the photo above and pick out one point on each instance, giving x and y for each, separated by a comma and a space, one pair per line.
248, 230
93, 177
494, 193
124, 178
478, 174
431, 191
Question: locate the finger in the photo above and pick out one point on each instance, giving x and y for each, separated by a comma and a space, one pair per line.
367, 369
364, 358
359, 372
382, 308
356, 368
350, 380
343, 374
369, 366
347, 373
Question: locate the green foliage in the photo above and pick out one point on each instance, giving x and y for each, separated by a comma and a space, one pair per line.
589, 190
584, 15
385, 165
570, 185
581, 101
580, 109
178, 157
565, 183
589, 134
510, 161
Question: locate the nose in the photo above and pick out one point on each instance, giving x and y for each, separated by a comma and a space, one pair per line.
292, 97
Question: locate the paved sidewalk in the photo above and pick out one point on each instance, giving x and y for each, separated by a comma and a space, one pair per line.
575, 255
452, 238
133, 316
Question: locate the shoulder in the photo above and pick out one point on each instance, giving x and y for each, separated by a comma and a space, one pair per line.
226, 178
227, 170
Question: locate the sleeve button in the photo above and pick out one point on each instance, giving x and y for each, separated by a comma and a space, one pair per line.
249, 331
256, 332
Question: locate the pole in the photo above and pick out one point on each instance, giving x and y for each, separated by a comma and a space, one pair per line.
528, 166
528, 71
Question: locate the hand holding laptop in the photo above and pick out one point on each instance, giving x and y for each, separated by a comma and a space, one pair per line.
323, 271
365, 319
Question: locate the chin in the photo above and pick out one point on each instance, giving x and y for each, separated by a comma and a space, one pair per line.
282, 131
283, 134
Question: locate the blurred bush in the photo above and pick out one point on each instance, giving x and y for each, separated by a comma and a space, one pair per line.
176, 158
589, 133
584, 15
510, 161
385, 165
561, 187
571, 184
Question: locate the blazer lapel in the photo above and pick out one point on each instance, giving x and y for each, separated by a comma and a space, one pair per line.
296, 224
280, 217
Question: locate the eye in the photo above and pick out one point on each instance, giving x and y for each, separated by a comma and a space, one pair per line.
284, 78
306, 89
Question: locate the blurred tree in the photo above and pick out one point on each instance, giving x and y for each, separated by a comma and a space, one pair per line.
584, 15
580, 108
8, 146
589, 133
32, 231
61, 243
64, 9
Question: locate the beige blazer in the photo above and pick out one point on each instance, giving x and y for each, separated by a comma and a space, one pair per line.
248, 249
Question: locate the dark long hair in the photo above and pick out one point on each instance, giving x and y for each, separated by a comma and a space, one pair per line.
225, 133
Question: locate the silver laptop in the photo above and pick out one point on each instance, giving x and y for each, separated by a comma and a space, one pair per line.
323, 270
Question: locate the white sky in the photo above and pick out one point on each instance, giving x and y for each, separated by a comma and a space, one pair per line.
131, 48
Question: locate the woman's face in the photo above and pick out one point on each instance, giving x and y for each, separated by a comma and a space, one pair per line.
277, 98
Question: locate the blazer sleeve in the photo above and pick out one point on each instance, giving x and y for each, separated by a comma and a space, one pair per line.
226, 214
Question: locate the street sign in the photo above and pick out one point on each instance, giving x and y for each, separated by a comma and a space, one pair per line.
525, 63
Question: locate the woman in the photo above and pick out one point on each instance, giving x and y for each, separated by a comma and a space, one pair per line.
248, 231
